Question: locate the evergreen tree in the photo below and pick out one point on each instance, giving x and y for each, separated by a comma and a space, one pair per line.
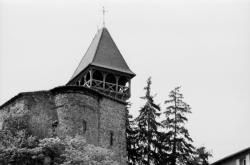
148, 136
178, 143
131, 132
201, 156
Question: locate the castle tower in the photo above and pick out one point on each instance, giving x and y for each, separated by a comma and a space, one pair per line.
92, 104
103, 68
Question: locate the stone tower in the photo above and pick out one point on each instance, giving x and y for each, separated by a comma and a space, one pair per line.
103, 68
91, 104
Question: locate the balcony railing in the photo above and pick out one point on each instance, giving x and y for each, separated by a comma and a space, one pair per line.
112, 89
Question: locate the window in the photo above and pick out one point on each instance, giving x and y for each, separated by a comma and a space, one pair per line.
243, 161
54, 126
111, 138
84, 126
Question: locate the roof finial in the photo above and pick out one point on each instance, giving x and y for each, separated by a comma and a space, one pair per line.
103, 14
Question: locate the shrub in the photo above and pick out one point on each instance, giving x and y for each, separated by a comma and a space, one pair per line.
24, 149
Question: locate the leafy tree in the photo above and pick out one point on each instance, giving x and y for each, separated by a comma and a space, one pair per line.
78, 152
148, 134
178, 143
23, 149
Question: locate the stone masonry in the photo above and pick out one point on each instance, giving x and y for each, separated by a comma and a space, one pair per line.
70, 110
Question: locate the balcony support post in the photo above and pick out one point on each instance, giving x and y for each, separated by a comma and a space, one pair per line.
91, 76
116, 83
104, 79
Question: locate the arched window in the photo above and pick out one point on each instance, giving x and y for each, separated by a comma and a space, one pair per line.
122, 81
84, 126
86, 83
110, 79
123, 84
111, 138
110, 82
88, 76
97, 79
97, 75
81, 82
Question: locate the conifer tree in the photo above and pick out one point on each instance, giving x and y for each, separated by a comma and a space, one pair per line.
201, 156
148, 134
131, 132
177, 141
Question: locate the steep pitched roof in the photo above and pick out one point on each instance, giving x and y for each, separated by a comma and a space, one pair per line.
103, 52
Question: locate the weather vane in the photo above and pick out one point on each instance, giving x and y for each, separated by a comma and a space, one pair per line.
103, 15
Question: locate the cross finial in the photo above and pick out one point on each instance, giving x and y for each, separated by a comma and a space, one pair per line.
103, 14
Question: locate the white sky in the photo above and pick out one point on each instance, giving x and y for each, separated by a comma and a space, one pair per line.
202, 45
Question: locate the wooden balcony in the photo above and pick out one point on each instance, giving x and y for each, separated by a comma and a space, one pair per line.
114, 90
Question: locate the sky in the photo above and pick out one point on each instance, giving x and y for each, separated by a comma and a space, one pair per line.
201, 45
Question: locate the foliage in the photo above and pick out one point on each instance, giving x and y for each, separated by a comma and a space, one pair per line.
78, 152
178, 143
148, 135
168, 142
201, 156
28, 150
131, 132
18, 148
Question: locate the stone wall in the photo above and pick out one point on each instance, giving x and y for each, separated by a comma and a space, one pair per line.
76, 111
42, 113
16, 109
70, 111
34, 110
112, 121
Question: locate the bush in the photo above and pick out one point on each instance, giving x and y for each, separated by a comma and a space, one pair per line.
24, 149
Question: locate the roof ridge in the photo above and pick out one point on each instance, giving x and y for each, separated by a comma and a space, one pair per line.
86, 53
98, 45
117, 49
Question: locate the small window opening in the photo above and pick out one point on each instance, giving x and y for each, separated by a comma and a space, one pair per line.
111, 138
84, 126
81, 82
54, 126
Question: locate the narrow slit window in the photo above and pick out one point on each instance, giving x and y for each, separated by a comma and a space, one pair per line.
111, 138
54, 126
84, 126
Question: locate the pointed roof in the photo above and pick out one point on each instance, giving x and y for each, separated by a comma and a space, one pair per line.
104, 53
